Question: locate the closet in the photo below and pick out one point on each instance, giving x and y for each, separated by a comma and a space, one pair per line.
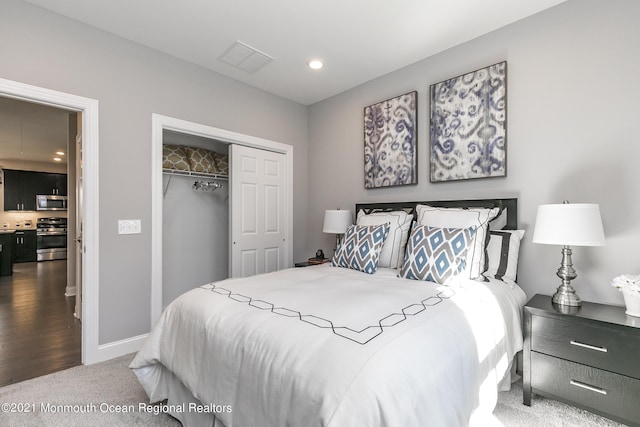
195, 218
203, 181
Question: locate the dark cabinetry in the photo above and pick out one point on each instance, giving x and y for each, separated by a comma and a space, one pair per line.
50, 183
25, 246
21, 188
18, 191
6, 253
585, 356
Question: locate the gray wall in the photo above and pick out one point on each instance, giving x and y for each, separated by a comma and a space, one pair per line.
132, 82
572, 134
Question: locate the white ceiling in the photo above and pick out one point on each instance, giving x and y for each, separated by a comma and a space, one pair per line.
32, 132
358, 40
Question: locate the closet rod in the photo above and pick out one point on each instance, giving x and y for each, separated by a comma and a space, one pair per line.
194, 174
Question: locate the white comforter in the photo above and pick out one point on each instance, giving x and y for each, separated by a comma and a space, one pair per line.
327, 346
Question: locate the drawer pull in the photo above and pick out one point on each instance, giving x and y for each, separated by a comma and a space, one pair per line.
588, 387
590, 347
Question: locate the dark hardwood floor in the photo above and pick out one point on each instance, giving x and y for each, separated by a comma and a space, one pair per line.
38, 331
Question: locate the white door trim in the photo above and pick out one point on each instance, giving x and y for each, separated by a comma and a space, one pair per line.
160, 123
90, 275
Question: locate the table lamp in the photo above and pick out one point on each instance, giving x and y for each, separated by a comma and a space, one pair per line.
337, 221
568, 225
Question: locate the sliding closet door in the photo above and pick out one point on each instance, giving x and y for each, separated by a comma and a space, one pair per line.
258, 214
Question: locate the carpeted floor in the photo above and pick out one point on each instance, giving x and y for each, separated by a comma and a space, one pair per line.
543, 412
93, 394
96, 390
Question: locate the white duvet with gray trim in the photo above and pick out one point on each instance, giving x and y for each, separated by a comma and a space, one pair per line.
328, 346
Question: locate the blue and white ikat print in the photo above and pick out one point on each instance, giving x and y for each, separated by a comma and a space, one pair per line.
468, 125
390, 138
360, 248
436, 254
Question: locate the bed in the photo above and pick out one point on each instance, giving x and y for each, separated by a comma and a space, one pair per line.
331, 346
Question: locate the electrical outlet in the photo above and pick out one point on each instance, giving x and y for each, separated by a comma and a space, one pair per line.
129, 226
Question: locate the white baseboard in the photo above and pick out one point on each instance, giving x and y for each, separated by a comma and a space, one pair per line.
119, 348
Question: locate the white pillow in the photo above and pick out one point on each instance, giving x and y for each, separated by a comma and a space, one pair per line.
503, 250
463, 218
392, 255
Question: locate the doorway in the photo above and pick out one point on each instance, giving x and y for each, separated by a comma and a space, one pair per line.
40, 333
88, 129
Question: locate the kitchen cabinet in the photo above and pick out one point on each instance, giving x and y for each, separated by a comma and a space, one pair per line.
25, 246
19, 192
6, 252
50, 183
21, 188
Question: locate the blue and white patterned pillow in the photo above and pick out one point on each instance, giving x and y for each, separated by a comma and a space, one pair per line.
360, 247
436, 254
463, 218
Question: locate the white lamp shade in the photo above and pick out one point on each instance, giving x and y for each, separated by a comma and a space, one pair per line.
337, 221
569, 224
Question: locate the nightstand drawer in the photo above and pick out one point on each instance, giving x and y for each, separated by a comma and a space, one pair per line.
592, 344
606, 392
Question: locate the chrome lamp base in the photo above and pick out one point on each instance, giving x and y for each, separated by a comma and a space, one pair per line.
565, 294
335, 249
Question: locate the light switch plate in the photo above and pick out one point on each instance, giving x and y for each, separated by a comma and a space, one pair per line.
129, 226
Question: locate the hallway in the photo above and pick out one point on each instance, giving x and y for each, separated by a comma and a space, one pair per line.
38, 331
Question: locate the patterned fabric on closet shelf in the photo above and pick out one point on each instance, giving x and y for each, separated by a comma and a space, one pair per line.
222, 163
202, 160
175, 157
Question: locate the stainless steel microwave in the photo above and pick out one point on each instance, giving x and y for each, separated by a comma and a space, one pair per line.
51, 202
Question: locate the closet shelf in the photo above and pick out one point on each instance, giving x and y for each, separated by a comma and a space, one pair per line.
194, 174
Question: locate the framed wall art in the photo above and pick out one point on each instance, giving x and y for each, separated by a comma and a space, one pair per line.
468, 125
390, 142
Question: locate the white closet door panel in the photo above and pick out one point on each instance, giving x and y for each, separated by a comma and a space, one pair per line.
249, 263
272, 223
272, 258
249, 212
249, 165
271, 169
258, 232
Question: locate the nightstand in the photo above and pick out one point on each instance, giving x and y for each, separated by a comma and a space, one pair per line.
586, 356
310, 263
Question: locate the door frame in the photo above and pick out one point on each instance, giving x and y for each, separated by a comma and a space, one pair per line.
160, 123
90, 276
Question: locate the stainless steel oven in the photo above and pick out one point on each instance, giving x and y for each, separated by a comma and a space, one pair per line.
51, 239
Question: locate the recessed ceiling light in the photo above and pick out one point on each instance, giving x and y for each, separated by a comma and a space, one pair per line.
57, 159
60, 153
315, 64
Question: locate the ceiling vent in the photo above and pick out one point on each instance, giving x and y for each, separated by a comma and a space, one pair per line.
245, 57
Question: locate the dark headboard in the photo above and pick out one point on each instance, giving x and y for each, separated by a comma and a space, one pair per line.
510, 204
